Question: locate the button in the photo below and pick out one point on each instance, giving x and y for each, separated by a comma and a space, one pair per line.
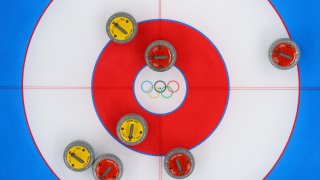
132, 129
78, 155
160, 55
284, 53
179, 163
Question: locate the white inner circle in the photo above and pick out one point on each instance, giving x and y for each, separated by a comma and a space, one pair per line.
155, 102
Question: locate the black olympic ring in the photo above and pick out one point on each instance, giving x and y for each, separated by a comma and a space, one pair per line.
162, 89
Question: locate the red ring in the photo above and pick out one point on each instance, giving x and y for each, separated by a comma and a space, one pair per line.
171, 88
207, 97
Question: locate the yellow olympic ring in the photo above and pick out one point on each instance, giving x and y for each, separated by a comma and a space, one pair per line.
153, 97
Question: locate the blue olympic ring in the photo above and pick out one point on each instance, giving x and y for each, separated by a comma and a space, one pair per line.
150, 89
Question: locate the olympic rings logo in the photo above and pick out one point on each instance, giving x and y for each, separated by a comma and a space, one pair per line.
166, 90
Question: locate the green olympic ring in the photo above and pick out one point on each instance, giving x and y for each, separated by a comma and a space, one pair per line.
171, 91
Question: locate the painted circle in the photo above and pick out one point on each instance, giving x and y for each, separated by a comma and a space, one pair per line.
78, 155
160, 93
160, 55
208, 87
121, 27
284, 53
179, 163
48, 107
107, 167
132, 129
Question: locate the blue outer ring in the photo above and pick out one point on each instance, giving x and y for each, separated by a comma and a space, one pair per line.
300, 160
